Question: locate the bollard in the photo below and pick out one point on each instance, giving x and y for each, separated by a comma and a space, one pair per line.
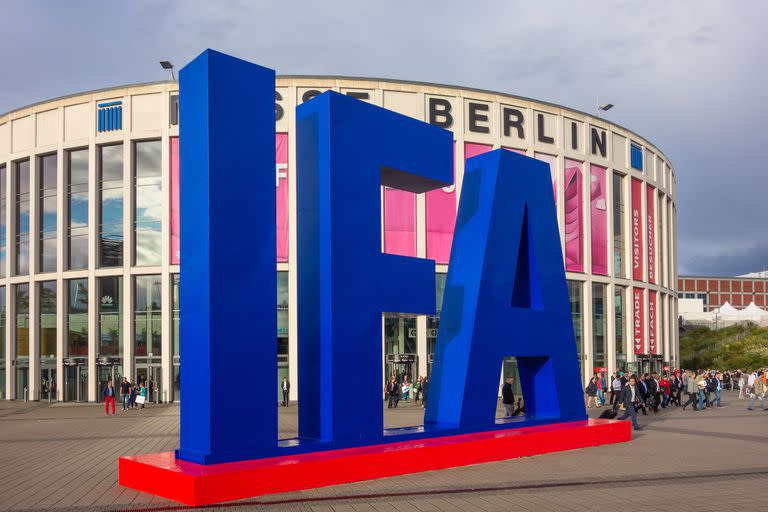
25, 395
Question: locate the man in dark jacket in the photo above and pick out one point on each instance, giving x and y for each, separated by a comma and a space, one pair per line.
508, 398
628, 398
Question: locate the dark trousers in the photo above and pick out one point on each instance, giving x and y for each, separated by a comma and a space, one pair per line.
392, 401
692, 397
285, 398
632, 414
615, 399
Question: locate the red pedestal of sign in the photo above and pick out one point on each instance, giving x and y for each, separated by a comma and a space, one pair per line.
194, 484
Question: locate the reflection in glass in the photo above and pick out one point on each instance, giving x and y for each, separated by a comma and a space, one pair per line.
598, 325
3, 343
111, 202
47, 212
618, 316
77, 205
3, 227
147, 202
110, 313
77, 317
574, 294
22, 321
147, 293
176, 316
433, 322
618, 226
47, 321
22, 217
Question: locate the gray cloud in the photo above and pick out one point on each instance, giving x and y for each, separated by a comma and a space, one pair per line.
687, 75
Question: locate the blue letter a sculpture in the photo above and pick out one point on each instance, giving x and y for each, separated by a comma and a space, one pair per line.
505, 295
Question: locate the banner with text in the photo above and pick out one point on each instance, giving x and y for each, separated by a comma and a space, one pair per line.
638, 322
650, 209
637, 230
653, 345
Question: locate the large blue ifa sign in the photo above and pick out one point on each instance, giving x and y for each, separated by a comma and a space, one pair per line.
505, 294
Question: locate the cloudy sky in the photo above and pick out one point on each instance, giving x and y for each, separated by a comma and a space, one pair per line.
688, 75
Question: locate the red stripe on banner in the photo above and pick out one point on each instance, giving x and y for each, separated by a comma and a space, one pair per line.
194, 484
650, 208
653, 344
637, 230
638, 320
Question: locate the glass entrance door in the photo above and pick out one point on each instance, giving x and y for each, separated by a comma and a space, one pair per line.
22, 381
151, 377
76, 382
105, 372
47, 389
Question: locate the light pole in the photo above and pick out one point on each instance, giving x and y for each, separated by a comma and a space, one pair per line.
603, 108
165, 64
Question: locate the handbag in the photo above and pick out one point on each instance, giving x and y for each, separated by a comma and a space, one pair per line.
140, 399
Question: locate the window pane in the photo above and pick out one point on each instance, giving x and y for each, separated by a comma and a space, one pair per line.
77, 317
598, 325
147, 293
3, 228
111, 207
77, 204
22, 217
22, 321
110, 313
147, 203
48, 320
47, 213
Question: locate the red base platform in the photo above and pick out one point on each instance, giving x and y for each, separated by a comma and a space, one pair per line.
194, 484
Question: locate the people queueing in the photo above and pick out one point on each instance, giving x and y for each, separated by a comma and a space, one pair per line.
109, 397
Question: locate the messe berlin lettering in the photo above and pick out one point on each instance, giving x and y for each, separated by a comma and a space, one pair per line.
512, 120
505, 295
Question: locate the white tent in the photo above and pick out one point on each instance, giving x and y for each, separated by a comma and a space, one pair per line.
728, 312
753, 313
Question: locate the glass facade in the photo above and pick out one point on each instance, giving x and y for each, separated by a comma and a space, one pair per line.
148, 211
47, 319
619, 306
146, 312
47, 216
77, 209
433, 322
110, 316
619, 260
282, 330
77, 318
598, 326
3, 227
111, 205
175, 346
3, 344
22, 341
574, 294
21, 266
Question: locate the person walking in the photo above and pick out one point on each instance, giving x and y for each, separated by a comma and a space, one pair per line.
591, 391
142, 395
629, 397
392, 391
285, 387
424, 391
664, 388
125, 393
615, 391
508, 398
758, 392
109, 397
718, 390
416, 389
701, 385
692, 389
406, 389
601, 385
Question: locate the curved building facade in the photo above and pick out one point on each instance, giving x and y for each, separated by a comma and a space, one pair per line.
89, 232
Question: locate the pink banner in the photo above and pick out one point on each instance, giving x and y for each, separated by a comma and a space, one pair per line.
175, 223
552, 161
440, 212
599, 220
573, 217
653, 346
281, 185
399, 222
637, 230
650, 211
638, 334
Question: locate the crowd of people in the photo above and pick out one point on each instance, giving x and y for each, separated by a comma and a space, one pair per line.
401, 388
132, 395
700, 390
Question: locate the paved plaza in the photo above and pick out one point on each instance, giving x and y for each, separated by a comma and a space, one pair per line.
64, 456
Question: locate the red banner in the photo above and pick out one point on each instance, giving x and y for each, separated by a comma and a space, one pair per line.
637, 230
281, 186
638, 315
440, 212
653, 345
651, 230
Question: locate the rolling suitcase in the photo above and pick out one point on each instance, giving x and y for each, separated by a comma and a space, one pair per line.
608, 415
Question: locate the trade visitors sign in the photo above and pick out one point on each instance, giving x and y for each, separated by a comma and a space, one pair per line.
505, 295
